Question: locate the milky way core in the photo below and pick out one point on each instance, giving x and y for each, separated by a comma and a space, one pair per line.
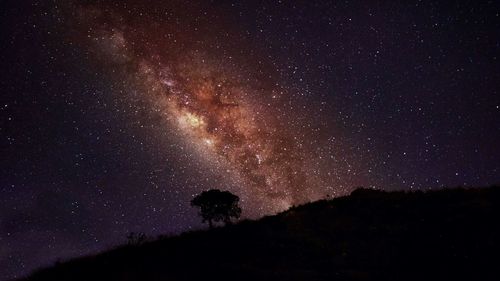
215, 103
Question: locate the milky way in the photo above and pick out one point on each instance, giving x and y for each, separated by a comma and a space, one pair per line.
216, 106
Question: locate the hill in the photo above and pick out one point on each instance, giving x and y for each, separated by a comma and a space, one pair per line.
369, 235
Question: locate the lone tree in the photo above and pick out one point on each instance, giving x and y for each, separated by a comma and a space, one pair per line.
216, 205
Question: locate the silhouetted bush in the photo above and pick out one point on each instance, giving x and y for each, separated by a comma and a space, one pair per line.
135, 239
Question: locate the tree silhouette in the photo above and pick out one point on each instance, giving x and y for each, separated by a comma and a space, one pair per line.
216, 205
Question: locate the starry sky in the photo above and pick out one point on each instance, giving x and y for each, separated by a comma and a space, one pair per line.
114, 114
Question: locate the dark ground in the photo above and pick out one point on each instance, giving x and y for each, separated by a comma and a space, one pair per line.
369, 235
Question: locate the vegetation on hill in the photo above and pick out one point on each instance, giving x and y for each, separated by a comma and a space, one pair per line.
369, 235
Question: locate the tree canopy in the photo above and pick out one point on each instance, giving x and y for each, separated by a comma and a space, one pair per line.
216, 205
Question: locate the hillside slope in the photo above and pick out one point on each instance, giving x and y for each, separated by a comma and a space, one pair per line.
369, 235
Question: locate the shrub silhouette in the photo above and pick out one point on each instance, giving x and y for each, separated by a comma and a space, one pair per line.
216, 205
136, 238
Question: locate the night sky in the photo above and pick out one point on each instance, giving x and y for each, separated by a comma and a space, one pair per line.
114, 114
